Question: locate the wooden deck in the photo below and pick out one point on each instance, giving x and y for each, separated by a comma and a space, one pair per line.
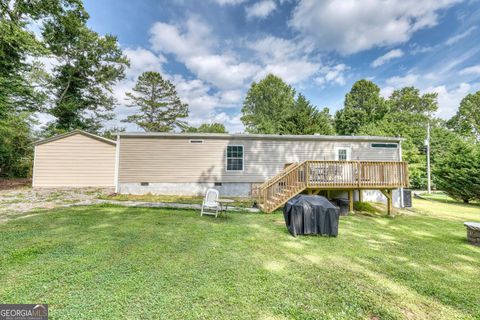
315, 175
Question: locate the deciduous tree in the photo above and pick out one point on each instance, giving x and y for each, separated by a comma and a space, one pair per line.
268, 105
19, 95
467, 120
408, 116
272, 107
88, 65
208, 128
363, 105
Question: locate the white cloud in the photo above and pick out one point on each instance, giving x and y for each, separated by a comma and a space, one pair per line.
449, 100
281, 56
335, 74
142, 60
169, 38
454, 39
231, 122
392, 54
194, 46
222, 71
397, 82
231, 97
385, 92
473, 70
273, 49
291, 71
261, 9
350, 26
228, 2
205, 106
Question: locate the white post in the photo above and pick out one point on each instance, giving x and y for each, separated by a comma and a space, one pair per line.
117, 163
429, 189
402, 203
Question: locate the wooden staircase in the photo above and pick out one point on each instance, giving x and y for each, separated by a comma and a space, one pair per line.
330, 175
275, 192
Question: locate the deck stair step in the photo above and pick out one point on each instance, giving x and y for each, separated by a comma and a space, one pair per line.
326, 174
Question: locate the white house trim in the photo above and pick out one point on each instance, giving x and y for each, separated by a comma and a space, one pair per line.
117, 163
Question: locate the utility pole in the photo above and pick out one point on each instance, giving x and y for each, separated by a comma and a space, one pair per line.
427, 143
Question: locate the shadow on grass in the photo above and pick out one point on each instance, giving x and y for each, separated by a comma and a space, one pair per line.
181, 265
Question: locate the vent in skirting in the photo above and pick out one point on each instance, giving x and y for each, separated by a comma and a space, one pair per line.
144, 183
218, 184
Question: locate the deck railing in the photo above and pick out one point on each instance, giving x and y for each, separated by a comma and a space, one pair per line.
356, 174
346, 175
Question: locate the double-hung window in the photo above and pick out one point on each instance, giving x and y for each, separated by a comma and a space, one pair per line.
343, 153
234, 158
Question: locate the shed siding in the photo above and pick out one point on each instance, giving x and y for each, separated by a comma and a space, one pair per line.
176, 160
74, 161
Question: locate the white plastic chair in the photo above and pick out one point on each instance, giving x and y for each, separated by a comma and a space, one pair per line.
210, 204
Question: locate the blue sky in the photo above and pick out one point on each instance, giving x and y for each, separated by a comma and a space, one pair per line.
213, 49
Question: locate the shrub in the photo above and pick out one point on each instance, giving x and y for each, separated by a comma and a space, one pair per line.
458, 172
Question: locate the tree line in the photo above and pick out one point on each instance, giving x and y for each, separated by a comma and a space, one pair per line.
77, 94
272, 106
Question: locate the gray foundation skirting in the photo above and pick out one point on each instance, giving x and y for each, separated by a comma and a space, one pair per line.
187, 189
233, 189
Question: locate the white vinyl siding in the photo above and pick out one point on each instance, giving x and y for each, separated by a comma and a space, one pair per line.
74, 161
176, 160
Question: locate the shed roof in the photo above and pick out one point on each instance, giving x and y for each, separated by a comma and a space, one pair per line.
71, 133
257, 136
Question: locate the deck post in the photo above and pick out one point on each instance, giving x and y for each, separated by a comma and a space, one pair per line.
360, 195
307, 177
350, 200
388, 195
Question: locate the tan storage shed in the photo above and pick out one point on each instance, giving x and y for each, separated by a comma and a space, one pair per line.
74, 159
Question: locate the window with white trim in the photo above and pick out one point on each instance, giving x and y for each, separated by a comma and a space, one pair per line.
234, 158
343, 153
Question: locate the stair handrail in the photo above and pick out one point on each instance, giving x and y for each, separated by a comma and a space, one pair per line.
282, 174
278, 174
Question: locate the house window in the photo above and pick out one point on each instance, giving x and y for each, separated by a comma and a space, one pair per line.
385, 145
234, 158
343, 154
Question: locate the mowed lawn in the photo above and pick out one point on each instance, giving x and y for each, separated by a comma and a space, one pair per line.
107, 262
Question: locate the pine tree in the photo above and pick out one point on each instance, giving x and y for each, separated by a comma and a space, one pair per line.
458, 173
307, 119
161, 109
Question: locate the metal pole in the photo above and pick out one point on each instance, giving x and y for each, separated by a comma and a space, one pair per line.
429, 189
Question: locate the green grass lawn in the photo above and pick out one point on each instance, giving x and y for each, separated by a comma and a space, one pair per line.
106, 262
238, 201
442, 197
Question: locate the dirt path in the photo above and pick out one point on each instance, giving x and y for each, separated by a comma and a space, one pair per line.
18, 201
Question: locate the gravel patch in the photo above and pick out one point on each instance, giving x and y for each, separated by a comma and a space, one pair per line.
17, 203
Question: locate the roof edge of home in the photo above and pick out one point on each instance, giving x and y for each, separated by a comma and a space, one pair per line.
255, 136
71, 133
